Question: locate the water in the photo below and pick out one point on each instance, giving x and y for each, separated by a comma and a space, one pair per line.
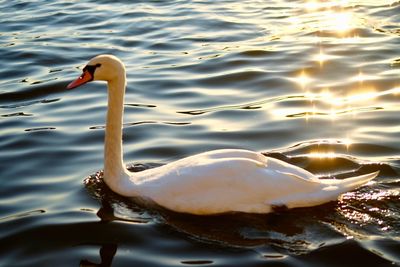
316, 83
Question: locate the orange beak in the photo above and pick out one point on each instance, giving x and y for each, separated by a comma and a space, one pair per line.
84, 78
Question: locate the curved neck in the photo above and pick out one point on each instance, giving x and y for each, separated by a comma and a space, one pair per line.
113, 155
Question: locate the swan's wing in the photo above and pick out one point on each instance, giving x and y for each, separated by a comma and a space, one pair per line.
206, 184
291, 170
297, 191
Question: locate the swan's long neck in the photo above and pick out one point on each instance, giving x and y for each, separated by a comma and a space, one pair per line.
114, 168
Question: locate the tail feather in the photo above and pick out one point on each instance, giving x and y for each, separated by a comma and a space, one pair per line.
344, 185
330, 191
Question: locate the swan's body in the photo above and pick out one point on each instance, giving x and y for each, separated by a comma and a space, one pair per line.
213, 182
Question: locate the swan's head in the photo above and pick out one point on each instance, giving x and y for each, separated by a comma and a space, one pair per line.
100, 68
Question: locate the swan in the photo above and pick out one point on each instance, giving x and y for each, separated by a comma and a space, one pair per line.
213, 182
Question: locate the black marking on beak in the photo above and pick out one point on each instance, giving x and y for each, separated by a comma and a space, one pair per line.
91, 69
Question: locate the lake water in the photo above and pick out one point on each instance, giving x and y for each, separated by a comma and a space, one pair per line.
316, 83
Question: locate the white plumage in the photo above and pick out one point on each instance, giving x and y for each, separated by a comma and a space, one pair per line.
213, 182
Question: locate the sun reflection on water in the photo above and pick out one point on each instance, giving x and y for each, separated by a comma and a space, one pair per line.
333, 19
313, 5
370, 209
340, 21
322, 57
327, 103
327, 96
302, 79
322, 151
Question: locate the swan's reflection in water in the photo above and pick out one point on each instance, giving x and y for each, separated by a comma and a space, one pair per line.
107, 251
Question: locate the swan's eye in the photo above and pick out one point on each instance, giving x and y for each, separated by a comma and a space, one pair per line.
91, 68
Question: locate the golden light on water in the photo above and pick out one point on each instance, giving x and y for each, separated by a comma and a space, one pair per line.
330, 154
327, 103
332, 16
322, 155
303, 79
321, 57
347, 142
326, 96
368, 95
360, 77
313, 5
333, 23
362, 216
340, 21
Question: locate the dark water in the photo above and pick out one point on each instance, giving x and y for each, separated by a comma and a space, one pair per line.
316, 83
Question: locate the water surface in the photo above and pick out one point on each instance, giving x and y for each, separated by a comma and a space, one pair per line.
315, 83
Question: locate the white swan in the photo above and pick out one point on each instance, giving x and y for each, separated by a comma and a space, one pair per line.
213, 182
